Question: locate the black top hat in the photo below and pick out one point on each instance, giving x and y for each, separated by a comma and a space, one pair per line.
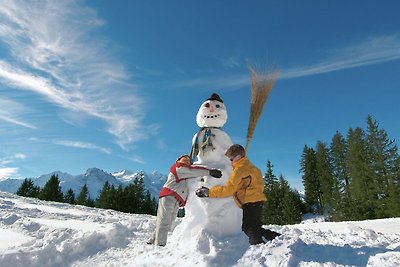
215, 96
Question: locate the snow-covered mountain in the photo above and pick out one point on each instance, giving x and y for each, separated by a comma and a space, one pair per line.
94, 179
38, 233
153, 181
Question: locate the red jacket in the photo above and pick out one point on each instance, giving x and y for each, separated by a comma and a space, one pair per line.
176, 184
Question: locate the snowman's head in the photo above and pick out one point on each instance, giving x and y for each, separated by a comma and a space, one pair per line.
212, 113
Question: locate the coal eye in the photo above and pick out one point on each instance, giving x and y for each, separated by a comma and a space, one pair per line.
217, 106
207, 105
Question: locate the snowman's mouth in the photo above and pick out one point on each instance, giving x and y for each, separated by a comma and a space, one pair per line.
211, 116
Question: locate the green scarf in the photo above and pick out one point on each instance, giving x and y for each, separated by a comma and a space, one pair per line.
205, 144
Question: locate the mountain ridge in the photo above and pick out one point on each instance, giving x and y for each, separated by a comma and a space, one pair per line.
94, 178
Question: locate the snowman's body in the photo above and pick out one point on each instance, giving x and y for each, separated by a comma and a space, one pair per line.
211, 217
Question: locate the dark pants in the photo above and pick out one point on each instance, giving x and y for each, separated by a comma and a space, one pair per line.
252, 225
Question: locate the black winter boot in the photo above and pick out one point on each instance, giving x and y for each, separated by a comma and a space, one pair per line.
269, 235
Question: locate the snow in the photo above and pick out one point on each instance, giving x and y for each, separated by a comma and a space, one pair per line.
39, 233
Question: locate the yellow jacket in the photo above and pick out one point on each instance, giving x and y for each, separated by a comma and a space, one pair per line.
245, 184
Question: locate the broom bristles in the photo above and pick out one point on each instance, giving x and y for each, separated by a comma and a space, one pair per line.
260, 90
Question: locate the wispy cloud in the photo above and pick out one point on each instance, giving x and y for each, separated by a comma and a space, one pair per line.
230, 62
17, 122
137, 159
375, 50
8, 172
10, 111
55, 51
11, 159
20, 156
84, 145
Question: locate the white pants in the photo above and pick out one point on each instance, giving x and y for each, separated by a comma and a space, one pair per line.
166, 213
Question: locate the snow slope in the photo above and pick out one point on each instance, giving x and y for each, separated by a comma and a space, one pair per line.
38, 233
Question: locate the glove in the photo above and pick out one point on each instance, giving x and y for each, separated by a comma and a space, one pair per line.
215, 173
202, 192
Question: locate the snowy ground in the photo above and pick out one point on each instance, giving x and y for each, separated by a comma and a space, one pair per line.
37, 233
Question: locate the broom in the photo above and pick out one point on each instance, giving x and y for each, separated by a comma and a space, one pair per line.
260, 90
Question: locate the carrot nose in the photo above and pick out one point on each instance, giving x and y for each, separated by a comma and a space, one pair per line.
212, 108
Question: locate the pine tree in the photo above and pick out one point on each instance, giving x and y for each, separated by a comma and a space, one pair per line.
283, 205
120, 200
271, 209
52, 190
83, 196
90, 202
338, 155
130, 200
383, 156
363, 186
28, 189
112, 198
270, 179
103, 201
291, 203
312, 185
70, 197
329, 185
149, 207
139, 194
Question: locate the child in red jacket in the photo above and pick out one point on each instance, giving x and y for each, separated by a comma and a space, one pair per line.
174, 195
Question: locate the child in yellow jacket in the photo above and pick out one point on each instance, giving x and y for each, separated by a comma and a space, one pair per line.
246, 186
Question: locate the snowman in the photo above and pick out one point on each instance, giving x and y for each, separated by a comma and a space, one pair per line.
211, 219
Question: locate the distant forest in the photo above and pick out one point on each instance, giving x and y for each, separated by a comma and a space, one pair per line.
134, 198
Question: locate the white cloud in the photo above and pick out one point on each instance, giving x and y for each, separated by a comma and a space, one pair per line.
230, 62
84, 145
11, 111
20, 156
8, 172
55, 51
17, 122
375, 50
137, 159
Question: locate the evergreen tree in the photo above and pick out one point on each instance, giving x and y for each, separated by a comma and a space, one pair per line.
270, 179
291, 203
149, 204
120, 200
139, 194
283, 205
90, 202
271, 209
338, 155
112, 198
312, 185
383, 156
103, 201
83, 196
329, 186
363, 186
28, 189
52, 190
131, 203
70, 197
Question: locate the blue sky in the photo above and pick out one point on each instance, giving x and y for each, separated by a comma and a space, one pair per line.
117, 84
